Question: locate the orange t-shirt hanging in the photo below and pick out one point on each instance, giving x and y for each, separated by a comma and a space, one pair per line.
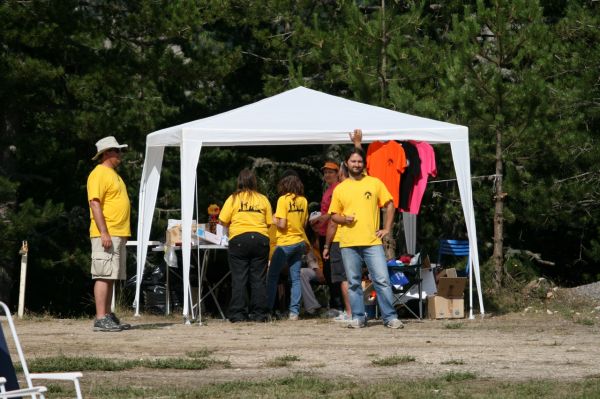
387, 161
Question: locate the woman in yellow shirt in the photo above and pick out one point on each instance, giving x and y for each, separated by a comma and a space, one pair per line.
290, 218
248, 215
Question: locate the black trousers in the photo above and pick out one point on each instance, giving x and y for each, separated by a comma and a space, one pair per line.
335, 292
248, 259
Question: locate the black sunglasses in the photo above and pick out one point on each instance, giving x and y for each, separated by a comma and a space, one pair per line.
117, 150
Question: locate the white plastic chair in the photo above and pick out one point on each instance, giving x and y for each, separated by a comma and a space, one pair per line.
29, 377
34, 393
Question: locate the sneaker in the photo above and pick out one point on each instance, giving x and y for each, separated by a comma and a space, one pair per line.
124, 326
356, 323
395, 323
293, 317
331, 313
342, 317
106, 324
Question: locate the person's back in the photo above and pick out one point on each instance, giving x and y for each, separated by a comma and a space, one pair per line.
248, 215
293, 208
246, 211
290, 218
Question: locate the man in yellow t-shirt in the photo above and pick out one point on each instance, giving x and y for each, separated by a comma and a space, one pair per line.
109, 230
355, 208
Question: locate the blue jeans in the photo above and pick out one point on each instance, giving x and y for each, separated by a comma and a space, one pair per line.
292, 256
374, 257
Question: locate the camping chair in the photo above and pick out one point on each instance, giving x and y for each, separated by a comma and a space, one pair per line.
36, 392
73, 376
454, 248
403, 279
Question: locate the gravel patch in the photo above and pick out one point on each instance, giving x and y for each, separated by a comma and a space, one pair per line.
591, 291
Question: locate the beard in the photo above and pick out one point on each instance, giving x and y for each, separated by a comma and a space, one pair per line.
354, 174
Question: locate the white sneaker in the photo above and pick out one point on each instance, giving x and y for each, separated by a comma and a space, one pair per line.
355, 323
342, 317
293, 317
395, 323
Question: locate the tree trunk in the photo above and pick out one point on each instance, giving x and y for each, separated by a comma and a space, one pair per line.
389, 242
383, 81
498, 254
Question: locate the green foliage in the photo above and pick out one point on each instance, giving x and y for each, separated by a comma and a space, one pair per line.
64, 363
301, 386
393, 360
459, 376
282, 361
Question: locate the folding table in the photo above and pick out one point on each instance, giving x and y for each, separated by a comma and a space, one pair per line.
201, 267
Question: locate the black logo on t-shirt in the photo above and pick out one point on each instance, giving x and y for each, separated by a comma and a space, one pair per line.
367, 194
244, 207
294, 207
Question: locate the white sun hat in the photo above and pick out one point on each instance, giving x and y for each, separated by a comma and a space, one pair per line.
105, 144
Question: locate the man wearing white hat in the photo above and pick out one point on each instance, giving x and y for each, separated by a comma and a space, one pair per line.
109, 230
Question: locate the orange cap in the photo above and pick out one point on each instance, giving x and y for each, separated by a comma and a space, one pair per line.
331, 165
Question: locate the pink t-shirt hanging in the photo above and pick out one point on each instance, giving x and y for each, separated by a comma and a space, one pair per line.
428, 168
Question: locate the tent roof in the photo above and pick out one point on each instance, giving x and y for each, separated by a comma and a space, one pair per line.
298, 116
305, 116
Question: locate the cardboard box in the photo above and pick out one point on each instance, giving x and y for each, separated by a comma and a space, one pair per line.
439, 307
219, 238
174, 236
450, 286
450, 272
174, 233
448, 303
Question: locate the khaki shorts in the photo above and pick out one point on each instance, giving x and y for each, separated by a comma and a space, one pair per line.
109, 264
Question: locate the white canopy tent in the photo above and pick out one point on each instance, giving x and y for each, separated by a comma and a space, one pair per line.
297, 116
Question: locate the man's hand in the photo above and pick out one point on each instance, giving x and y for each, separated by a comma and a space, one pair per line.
325, 253
106, 240
356, 138
349, 219
382, 233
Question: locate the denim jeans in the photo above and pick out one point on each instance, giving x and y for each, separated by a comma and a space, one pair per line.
292, 256
374, 257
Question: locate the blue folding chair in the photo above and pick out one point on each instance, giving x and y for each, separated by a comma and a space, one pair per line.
455, 248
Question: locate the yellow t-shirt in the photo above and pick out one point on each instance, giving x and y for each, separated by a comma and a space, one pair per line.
105, 185
247, 212
361, 198
338, 232
294, 209
272, 240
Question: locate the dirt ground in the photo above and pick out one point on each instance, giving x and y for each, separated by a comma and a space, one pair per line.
513, 347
